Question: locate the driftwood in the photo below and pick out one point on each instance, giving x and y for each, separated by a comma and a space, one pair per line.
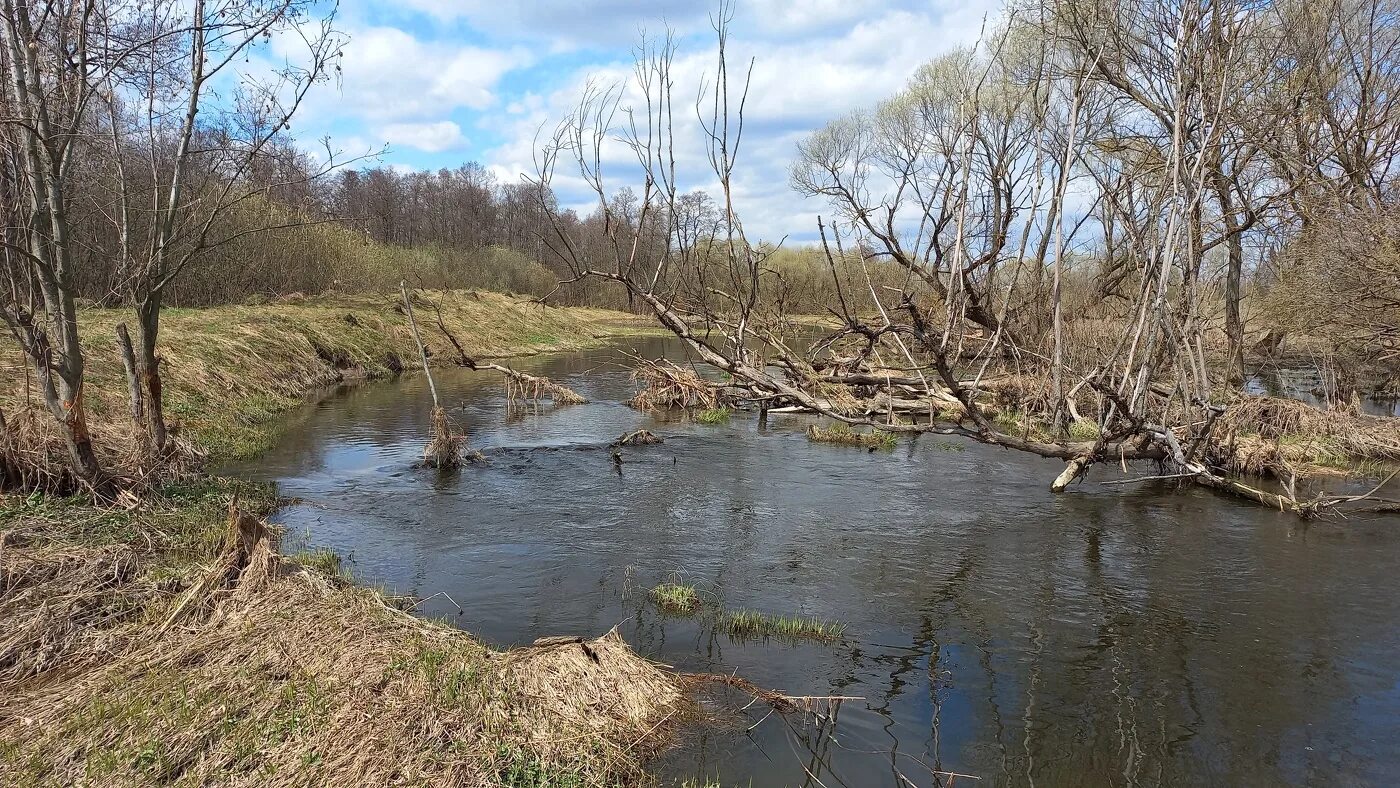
637, 438
520, 386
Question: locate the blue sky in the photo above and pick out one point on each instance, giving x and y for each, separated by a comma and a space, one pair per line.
442, 82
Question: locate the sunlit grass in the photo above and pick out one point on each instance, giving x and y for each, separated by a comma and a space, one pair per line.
675, 598
753, 624
712, 416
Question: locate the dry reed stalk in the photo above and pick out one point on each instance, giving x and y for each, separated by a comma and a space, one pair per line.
666, 385
444, 450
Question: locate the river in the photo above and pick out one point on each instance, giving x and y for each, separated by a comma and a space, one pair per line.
1111, 635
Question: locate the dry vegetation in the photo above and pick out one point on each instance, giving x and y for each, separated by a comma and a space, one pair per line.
170, 645
152, 642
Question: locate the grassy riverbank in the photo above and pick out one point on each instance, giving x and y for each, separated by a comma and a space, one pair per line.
231, 372
167, 642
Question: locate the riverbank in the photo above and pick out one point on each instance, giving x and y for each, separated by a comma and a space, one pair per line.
167, 641
232, 373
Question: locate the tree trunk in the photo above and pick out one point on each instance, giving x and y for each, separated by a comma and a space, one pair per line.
1234, 325
148, 370
133, 379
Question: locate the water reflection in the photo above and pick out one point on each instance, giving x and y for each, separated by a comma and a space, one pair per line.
1110, 636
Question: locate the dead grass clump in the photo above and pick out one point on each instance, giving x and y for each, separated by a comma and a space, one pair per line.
1299, 434
444, 450
34, 456
667, 386
62, 601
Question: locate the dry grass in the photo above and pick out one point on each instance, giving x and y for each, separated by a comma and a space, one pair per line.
1271, 436
245, 669
34, 457
666, 385
444, 449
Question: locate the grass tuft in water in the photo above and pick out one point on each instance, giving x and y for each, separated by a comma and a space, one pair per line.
753, 624
843, 434
675, 598
712, 416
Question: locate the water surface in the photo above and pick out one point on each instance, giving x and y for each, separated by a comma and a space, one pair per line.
1108, 636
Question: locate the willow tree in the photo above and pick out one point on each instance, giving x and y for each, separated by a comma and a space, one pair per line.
186, 134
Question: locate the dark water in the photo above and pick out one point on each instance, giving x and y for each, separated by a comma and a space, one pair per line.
1108, 636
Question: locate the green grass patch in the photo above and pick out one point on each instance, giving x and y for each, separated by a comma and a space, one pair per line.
753, 624
712, 416
843, 434
322, 560
675, 598
1083, 430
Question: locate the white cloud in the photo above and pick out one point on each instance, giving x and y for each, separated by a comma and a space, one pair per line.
800, 81
391, 74
436, 137
565, 24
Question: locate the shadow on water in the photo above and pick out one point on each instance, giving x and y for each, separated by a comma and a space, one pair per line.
1108, 636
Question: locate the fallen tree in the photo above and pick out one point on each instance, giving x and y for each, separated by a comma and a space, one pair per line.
970, 345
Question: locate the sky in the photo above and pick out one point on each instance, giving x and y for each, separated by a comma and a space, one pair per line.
442, 82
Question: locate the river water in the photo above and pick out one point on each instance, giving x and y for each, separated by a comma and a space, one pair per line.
1112, 635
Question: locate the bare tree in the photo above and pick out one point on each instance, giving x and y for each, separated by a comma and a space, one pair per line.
197, 152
